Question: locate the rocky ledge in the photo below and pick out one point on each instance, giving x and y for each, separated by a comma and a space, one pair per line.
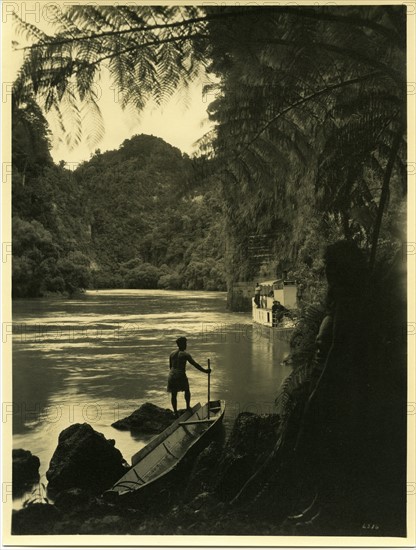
25, 469
195, 502
84, 458
147, 419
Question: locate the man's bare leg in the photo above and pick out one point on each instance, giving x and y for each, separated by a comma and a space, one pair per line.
188, 399
175, 403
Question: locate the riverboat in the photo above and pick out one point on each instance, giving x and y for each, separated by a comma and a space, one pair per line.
281, 290
165, 451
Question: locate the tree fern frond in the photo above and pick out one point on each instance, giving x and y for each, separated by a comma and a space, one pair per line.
26, 29
92, 121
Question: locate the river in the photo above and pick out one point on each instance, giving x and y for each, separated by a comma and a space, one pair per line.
97, 358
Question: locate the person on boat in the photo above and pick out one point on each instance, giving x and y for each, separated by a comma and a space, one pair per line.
257, 292
177, 380
278, 312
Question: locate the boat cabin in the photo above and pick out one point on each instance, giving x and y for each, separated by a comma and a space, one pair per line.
285, 292
282, 290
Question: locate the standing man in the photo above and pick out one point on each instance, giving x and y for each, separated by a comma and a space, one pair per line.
177, 380
257, 292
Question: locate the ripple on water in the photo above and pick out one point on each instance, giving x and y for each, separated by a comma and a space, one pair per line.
113, 356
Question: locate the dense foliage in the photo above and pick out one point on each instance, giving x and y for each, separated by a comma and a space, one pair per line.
309, 147
48, 231
148, 229
309, 105
125, 218
310, 127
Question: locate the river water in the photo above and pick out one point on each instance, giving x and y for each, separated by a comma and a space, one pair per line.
97, 358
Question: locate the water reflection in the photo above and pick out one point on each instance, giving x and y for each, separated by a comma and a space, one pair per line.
97, 358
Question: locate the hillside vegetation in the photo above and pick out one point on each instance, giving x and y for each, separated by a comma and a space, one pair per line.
129, 218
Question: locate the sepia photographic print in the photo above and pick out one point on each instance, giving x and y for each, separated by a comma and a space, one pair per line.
208, 253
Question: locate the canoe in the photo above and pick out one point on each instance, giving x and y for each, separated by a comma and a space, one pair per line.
166, 450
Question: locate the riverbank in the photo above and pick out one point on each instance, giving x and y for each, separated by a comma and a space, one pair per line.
197, 500
244, 485
261, 479
97, 359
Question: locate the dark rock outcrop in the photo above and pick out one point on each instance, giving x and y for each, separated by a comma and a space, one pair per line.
25, 468
196, 503
251, 441
72, 499
203, 474
80, 502
85, 458
78, 513
35, 519
107, 525
148, 419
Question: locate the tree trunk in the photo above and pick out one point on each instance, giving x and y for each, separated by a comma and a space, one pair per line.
384, 194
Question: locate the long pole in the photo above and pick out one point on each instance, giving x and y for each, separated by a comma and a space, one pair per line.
209, 384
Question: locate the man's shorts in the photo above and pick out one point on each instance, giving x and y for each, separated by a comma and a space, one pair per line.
177, 381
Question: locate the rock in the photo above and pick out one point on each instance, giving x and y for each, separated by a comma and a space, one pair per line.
79, 502
147, 419
251, 441
25, 468
103, 526
73, 498
204, 502
35, 519
253, 434
65, 527
202, 477
84, 458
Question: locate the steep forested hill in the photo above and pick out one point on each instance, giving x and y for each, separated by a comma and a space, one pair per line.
126, 218
50, 240
149, 227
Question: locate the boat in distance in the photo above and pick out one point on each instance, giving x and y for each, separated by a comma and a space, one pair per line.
166, 450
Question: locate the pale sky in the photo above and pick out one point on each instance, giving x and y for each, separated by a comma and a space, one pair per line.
181, 122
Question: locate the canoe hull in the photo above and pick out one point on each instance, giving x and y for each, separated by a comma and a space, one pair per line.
154, 465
